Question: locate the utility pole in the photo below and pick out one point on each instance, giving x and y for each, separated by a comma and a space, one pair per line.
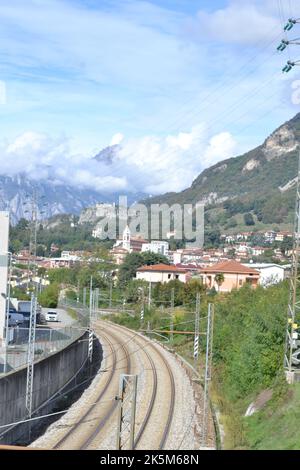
7, 306
143, 308
84, 297
126, 411
96, 300
34, 303
110, 294
197, 329
289, 42
172, 316
149, 296
208, 371
78, 292
91, 334
292, 344
30, 355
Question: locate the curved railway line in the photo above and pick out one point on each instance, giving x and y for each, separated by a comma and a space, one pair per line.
94, 424
63, 441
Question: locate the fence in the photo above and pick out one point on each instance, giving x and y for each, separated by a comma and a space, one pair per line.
47, 340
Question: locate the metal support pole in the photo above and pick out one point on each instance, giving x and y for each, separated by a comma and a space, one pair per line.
172, 316
110, 294
7, 305
207, 376
143, 308
30, 355
149, 296
91, 335
78, 292
84, 297
96, 300
126, 412
197, 329
292, 344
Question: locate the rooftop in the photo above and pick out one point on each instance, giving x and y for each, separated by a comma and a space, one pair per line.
231, 266
161, 268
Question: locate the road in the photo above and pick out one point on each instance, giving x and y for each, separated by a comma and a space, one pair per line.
166, 415
64, 318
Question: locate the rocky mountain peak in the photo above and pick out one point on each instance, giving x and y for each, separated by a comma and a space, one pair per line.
281, 142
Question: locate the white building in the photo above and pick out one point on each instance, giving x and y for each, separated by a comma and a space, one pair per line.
4, 234
269, 273
161, 273
157, 247
68, 255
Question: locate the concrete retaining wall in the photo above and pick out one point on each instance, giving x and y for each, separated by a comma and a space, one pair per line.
59, 372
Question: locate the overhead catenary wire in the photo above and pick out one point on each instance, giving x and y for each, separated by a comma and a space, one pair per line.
221, 86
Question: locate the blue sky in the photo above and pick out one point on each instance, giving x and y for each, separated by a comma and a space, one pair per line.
181, 84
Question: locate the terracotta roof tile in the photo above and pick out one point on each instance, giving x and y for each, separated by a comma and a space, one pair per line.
231, 266
161, 268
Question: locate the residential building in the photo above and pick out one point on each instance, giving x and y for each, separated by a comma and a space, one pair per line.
161, 273
270, 273
156, 246
270, 236
280, 236
235, 276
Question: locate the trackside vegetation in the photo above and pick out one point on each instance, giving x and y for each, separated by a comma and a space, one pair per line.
249, 335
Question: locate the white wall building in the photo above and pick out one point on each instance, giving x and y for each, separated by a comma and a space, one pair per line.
157, 246
161, 273
269, 273
4, 234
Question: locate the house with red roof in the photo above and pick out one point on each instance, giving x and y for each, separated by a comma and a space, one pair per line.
161, 273
235, 275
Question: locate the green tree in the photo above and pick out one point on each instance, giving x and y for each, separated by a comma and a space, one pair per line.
248, 219
286, 245
49, 296
133, 261
219, 278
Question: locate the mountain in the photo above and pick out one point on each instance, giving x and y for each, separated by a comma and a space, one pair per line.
16, 193
53, 198
260, 182
108, 154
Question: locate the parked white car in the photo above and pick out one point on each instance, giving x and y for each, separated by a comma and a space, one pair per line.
51, 316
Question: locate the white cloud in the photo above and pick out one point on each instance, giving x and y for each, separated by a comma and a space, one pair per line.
241, 22
117, 139
148, 164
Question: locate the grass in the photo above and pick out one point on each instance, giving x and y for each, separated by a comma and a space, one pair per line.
276, 428
72, 313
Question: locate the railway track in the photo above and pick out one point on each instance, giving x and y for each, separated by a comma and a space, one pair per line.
130, 353
143, 428
70, 439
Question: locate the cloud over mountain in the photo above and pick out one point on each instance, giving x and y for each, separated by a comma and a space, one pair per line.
151, 164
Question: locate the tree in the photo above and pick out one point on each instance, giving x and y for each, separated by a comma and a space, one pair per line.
212, 237
248, 219
286, 245
219, 278
49, 296
133, 261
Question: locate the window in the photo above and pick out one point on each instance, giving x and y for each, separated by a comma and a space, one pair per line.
177, 276
169, 276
